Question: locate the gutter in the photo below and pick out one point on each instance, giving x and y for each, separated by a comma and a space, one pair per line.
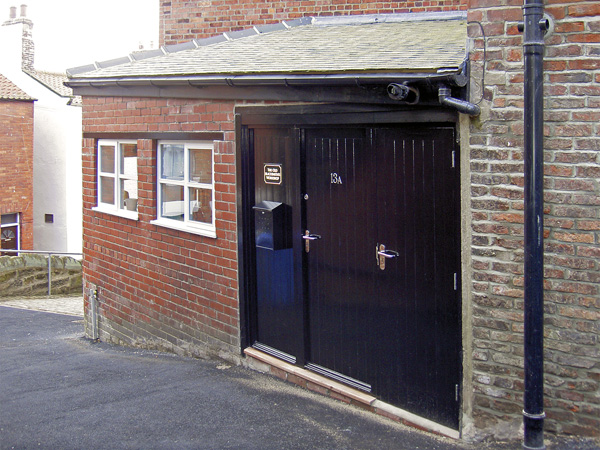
397, 84
451, 76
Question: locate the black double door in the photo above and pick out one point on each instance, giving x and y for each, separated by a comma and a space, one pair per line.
368, 290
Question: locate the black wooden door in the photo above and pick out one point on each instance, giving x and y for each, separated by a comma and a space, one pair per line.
340, 208
384, 320
417, 210
387, 323
279, 314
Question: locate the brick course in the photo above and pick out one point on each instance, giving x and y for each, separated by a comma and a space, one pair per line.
572, 305
184, 20
16, 165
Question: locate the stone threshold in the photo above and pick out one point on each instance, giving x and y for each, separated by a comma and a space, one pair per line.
265, 363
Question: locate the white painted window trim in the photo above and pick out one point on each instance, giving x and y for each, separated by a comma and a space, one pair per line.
187, 225
114, 208
133, 215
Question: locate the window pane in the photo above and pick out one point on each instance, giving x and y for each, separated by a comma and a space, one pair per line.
201, 165
129, 195
171, 201
172, 162
201, 207
129, 161
107, 190
9, 218
107, 159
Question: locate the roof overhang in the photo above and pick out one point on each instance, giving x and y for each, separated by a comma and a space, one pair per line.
341, 60
331, 87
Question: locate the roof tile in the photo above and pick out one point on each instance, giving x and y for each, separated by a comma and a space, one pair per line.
55, 81
10, 91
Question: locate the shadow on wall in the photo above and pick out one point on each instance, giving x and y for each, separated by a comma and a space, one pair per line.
27, 275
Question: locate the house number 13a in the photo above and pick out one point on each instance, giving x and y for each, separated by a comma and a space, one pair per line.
335, 178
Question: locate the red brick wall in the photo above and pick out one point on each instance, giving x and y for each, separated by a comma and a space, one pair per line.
158, 287
16, 164
184, 20
572, 219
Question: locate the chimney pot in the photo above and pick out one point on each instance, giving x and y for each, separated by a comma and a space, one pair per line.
23, 10
13, 12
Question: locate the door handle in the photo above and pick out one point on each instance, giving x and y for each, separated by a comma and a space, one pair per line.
383, 254
388, 254
307, 238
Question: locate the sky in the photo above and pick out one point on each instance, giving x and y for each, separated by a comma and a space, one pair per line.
71, 33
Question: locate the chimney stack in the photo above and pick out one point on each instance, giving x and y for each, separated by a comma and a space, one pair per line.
27, 47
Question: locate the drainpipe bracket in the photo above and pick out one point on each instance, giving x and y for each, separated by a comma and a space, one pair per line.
542, 415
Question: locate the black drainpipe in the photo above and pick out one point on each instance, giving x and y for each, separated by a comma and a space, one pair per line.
534, 27
460, 105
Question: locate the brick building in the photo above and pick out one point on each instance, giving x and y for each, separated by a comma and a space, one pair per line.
16, 166
337, 194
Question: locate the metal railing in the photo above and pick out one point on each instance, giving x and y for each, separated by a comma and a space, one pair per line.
49, 255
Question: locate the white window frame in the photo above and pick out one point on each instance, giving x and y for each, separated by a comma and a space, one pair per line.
114, 208
187, 225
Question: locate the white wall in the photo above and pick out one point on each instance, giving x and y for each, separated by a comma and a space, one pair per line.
57, 177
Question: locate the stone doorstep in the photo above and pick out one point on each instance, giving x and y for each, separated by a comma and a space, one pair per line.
266, 363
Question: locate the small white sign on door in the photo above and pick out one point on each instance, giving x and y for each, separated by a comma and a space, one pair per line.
273, 174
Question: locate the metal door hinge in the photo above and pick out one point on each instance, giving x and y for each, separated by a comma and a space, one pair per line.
456, 392
453, 159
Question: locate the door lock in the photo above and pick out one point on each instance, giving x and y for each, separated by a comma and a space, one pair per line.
383, 254
307, 238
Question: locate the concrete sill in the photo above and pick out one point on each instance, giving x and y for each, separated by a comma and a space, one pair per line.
263, 362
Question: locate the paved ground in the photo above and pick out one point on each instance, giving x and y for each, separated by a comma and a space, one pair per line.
72, 306
59, 390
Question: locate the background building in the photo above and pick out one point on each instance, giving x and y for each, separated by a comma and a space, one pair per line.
56, 166
16, 167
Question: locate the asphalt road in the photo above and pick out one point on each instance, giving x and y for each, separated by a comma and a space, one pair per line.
59, 390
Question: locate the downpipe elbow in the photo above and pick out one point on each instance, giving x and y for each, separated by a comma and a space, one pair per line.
461, 106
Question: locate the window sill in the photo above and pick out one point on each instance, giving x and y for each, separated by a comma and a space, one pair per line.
132, 215
183, 227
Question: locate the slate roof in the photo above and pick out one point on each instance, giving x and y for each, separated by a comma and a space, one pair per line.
10, 91
413, 42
